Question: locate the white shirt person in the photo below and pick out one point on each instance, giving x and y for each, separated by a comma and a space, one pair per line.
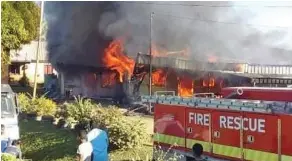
85, 149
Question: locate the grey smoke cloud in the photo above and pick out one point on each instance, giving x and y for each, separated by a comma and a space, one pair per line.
79, 31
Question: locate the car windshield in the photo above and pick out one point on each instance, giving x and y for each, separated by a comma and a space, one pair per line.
7, 107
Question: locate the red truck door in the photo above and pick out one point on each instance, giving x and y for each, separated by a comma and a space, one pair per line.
226, 134
198, 128
169, 126
260, 137
286, 137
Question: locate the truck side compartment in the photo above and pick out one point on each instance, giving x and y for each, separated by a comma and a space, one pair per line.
286, 137
262, 128
198, 128
224, 133
169, 126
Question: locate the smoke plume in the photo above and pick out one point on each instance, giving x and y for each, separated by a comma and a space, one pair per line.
78, 32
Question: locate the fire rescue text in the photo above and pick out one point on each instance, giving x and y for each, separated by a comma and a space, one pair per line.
229, 122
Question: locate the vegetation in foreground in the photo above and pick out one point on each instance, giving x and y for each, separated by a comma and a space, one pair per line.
19, 25
42, 141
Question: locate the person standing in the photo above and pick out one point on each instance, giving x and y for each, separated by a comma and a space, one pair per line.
14, 149
5, 141
99, 141
198, 152
84, 151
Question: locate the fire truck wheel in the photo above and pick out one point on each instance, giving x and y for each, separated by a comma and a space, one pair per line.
197, 150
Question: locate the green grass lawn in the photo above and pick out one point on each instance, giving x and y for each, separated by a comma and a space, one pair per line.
42, 141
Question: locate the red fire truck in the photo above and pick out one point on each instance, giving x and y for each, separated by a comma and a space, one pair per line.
227, 129
258, 93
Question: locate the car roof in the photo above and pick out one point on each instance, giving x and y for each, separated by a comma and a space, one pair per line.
5, 88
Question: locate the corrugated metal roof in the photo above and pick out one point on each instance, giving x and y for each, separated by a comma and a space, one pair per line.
250, 75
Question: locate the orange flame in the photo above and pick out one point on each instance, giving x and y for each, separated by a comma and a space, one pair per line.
210, 84
159, 78
212, 59
108, 79
161, 52
157, 51
240, 68
185, 87
115, 59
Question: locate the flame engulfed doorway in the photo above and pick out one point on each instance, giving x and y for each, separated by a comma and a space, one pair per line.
185, 86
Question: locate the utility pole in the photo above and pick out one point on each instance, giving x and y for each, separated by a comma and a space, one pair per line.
150, 60
38, 51
150, 55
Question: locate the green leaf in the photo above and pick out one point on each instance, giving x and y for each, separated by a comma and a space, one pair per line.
19, 25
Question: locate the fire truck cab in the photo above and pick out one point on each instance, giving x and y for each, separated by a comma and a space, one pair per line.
227, 129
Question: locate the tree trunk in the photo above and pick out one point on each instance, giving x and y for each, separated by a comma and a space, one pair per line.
4, 74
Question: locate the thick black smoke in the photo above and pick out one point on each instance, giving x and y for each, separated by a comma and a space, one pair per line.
78, 32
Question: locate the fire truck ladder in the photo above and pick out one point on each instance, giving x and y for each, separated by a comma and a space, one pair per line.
219, 103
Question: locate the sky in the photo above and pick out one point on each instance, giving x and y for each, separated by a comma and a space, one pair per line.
267, 39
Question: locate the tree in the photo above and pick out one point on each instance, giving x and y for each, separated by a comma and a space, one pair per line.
19, 25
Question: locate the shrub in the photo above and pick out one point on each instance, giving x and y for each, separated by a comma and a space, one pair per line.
44, 106
61, 111
39, 105
161, 155
7, 157
106, 116
80, 110
25, 103
125, 134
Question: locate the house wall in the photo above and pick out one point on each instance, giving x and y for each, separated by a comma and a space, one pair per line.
30, 71
27, 52
27, 55
90, 86
40, 72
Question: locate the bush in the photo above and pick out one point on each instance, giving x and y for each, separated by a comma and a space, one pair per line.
106, 116
44, 106
125, 134
61, 111
161, 154
25, 103
39, 105
7, 157
81, 110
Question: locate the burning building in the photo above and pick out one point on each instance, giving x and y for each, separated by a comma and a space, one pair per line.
107, 81
123, 76
94, 44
